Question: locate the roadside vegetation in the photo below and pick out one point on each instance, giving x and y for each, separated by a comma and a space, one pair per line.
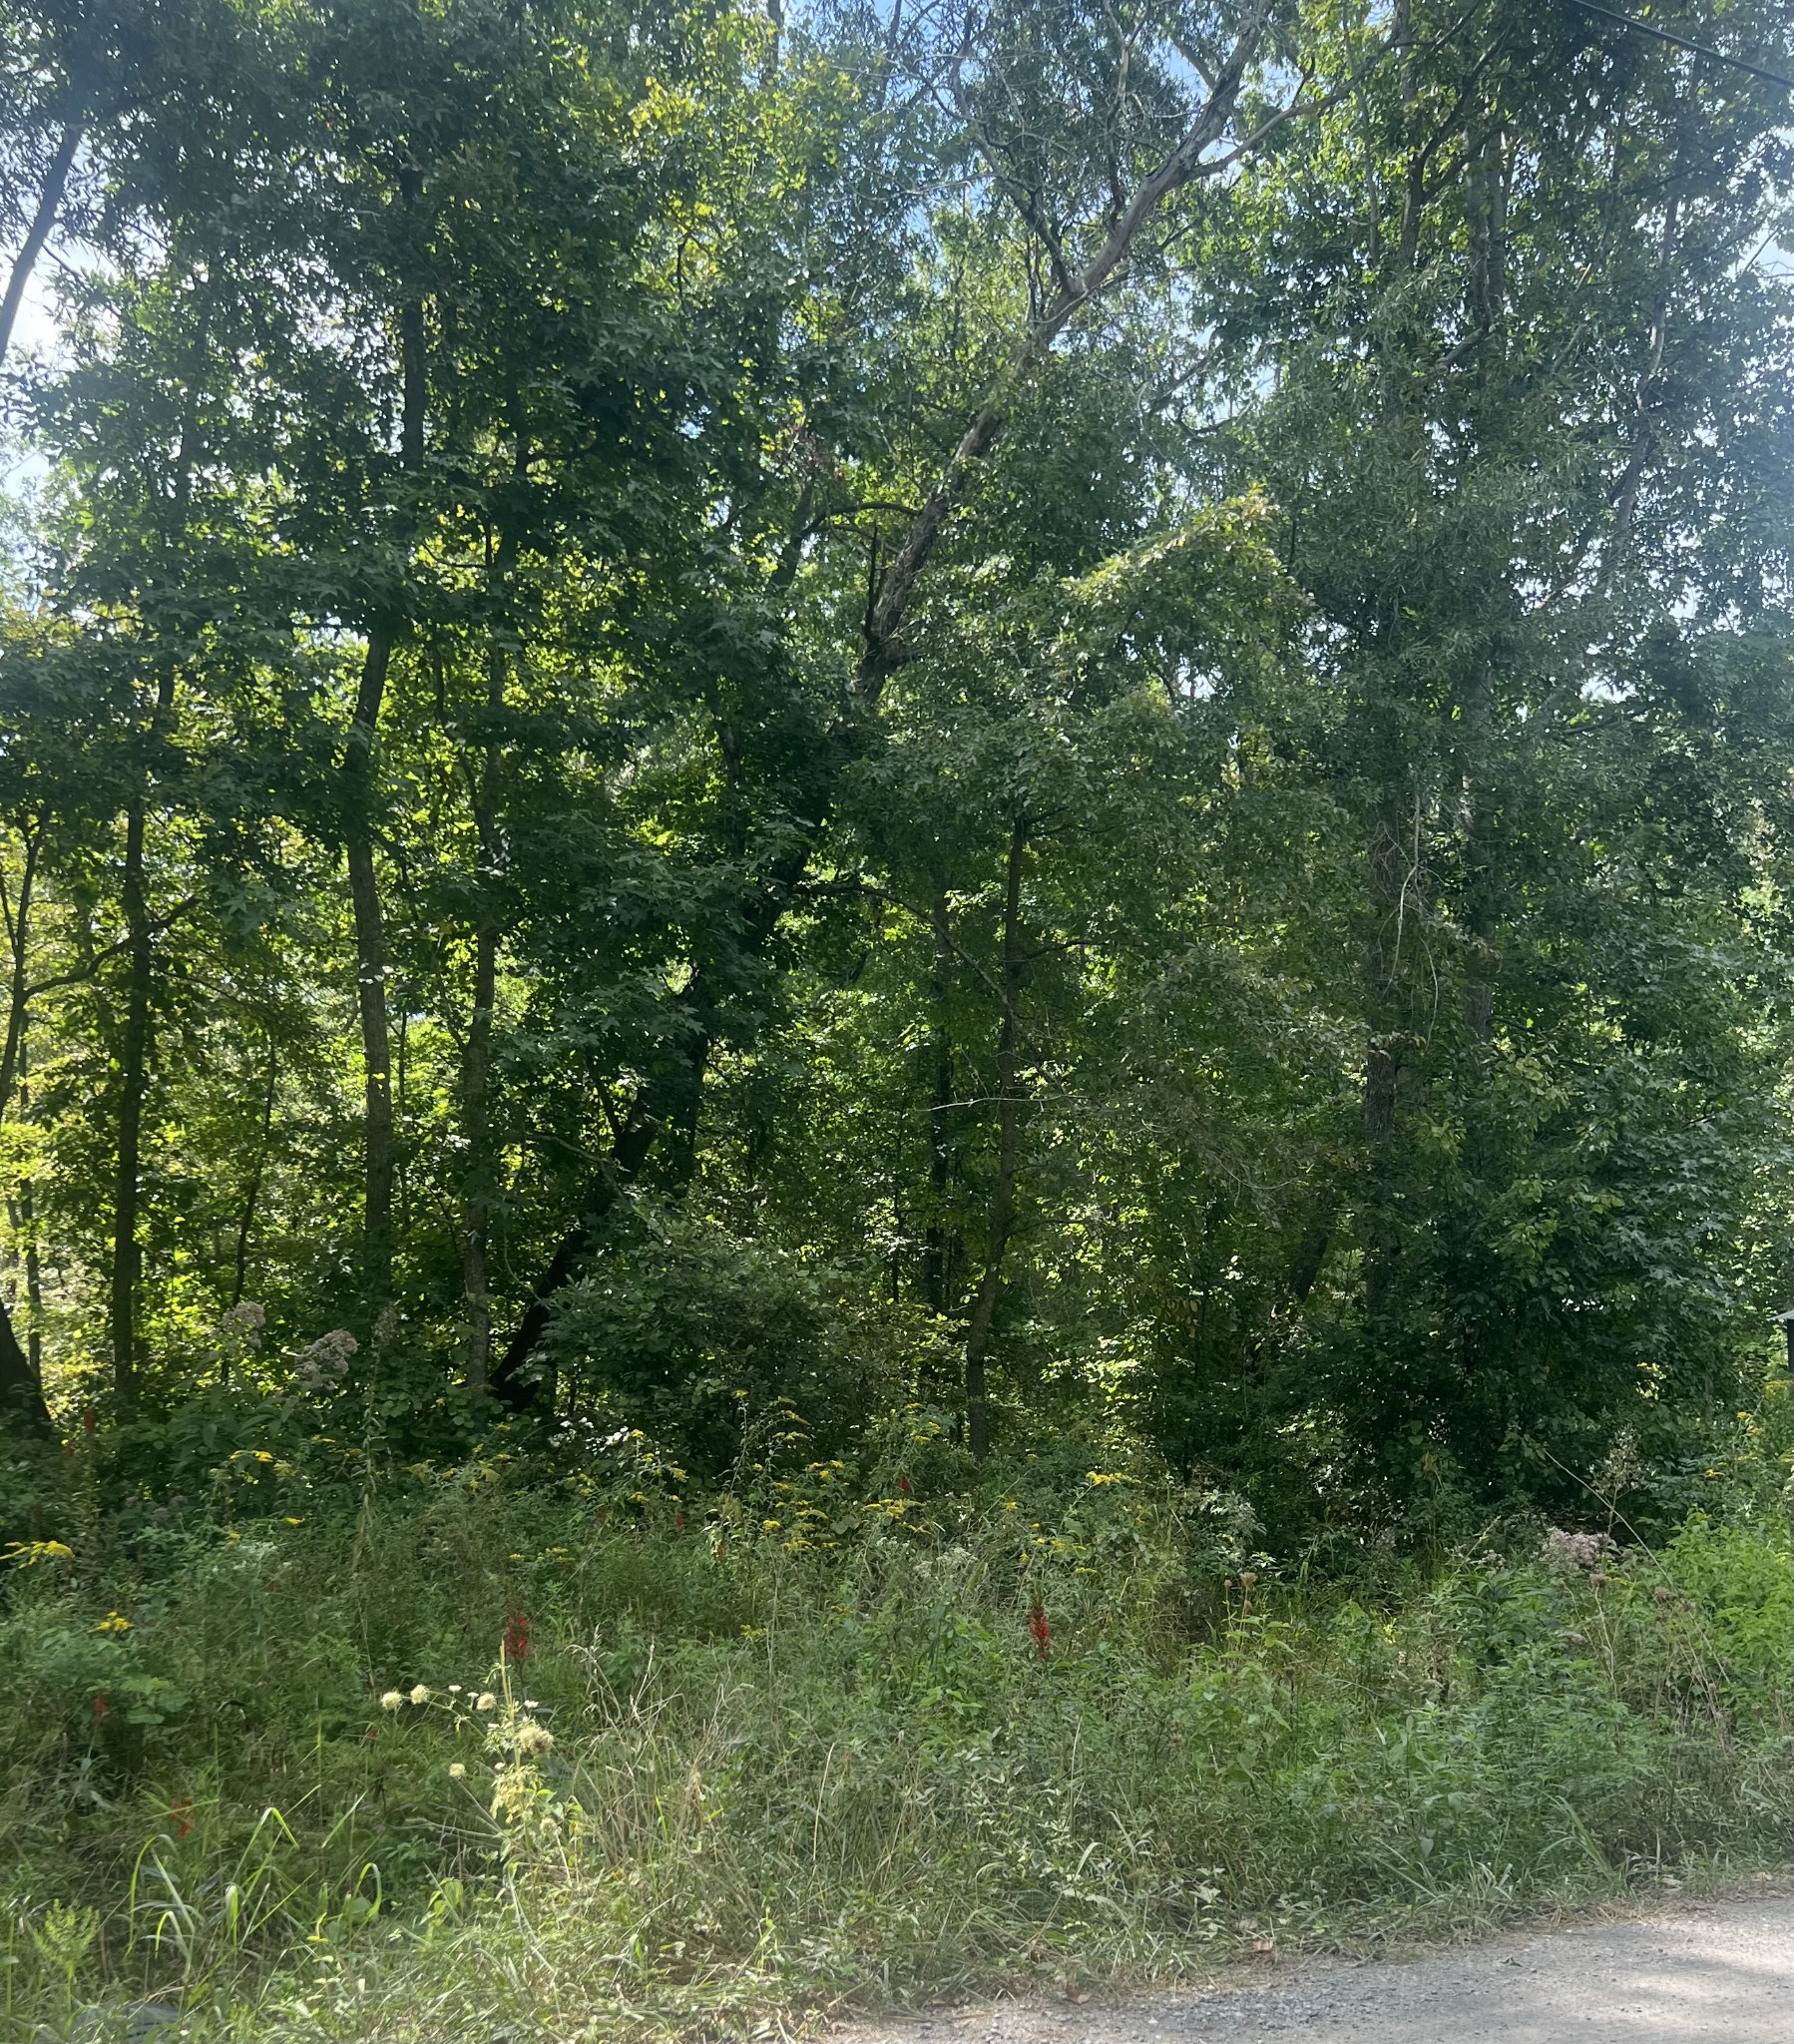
894, 1033
608, 1757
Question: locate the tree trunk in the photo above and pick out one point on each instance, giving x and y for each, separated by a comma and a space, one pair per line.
478, 1191
1394, 900
18, 935
49, 203
22, 1407
21, 1380
358, 773
253, 1194
1009, 1131
133, 1067
938, 1272
512, 1379
370, 978
133, 1051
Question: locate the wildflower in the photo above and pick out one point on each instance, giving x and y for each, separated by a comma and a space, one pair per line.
457, 1773
114, 1622
326, 1361
294, 1522
394, 1700
182, 1815
516, 1643
903, 1486
533, 1739
1040, 1629
530, 1704
421, 1695
1566, 1551
101, 1706
262, 1455
240, 1326
454, 1689
485, 1700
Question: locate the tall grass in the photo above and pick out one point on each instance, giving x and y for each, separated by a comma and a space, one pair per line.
830, 1751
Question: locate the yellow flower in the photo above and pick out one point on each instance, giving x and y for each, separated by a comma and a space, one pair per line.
421, 1695
394, 1700
262, 1455
295, 1522
485, 1700
114, 1622
457, 1773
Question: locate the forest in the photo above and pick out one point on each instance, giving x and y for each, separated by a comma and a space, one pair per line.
910, 880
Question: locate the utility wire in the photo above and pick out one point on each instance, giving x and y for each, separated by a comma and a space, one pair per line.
1662, 35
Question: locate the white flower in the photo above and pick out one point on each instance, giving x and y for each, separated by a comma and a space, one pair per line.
457, 1773
485, 1700
1566, 1551
325, 1360
421, 1695
391, 1700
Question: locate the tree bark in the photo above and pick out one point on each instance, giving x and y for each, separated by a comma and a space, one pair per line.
133, 1066
49, 204
127, 1253
478, 1191
253, 1194
359, 788
21, 1380
938, 1274
22, 1406
370, 978
1394, 899
1009, 1134
18, 934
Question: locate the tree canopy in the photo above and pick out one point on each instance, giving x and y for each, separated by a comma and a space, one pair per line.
1076, 716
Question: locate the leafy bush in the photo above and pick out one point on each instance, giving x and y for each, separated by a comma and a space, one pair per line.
1064, 1722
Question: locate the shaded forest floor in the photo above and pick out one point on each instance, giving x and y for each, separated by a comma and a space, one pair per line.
460, 1760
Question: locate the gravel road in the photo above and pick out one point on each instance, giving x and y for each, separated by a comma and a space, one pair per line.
1720, 1970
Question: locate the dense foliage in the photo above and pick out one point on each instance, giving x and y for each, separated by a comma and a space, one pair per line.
928, 863
479, 1763
1072, 714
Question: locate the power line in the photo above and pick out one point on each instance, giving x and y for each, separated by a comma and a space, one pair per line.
1662, 35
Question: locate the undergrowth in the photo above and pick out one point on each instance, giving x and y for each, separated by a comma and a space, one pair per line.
460, 1759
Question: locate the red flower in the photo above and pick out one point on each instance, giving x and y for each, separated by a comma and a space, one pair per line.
903, 1486
678, 1522
516, 1644
1037, 1626
101, 1706
183, 1814
90, 1419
